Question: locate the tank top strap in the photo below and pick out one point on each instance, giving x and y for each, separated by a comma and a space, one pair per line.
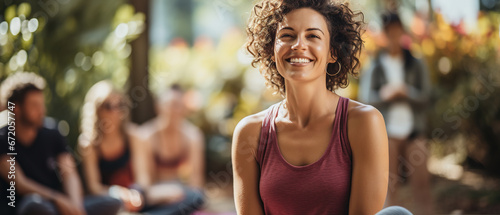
265, 132
341, 125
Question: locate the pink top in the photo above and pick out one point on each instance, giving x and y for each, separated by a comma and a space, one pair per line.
322, 187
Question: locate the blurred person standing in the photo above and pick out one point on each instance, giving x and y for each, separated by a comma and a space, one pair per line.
46, 178
398, 85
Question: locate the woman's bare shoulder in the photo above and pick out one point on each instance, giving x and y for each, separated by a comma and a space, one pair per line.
247, 131
251, 123
357, 110
365, 125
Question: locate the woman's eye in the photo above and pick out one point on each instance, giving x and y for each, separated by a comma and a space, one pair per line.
314, 36
285, 35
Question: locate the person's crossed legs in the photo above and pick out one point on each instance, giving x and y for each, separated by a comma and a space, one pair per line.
34, 204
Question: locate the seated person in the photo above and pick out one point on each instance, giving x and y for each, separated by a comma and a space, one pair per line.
177, 146
115, 159
46, 179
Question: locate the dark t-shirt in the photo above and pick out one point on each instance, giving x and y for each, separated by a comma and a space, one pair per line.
38, 160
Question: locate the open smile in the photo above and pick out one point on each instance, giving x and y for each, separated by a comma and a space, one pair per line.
298, 61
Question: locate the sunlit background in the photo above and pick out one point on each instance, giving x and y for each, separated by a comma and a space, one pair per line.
146, 46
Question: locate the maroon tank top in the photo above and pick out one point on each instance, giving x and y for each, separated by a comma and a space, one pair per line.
322, 187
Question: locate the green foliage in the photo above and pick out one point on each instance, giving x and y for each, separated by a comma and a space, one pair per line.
465, 72
76, 44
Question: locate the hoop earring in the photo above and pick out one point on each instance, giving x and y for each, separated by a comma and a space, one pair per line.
340, 66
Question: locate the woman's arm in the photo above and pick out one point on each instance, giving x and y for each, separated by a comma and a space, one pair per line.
141, 160
196, 157
370, 155
91, 172
246, 171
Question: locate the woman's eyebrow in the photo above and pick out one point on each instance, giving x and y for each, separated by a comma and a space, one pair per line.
309, 29
286, 28
315, 29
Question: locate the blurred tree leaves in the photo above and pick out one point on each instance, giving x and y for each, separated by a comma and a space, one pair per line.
465, 70
76, 44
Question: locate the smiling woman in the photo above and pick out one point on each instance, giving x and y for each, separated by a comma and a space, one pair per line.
330, 155
338, 20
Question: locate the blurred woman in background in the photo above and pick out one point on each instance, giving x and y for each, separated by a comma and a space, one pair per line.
177, 148
113, 158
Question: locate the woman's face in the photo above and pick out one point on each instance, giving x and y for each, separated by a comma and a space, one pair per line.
113, 109
172, 105
302, 45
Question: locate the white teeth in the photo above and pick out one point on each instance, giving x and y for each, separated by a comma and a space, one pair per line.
299, 60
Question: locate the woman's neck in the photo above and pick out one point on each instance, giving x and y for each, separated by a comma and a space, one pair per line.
305, 103
112, 133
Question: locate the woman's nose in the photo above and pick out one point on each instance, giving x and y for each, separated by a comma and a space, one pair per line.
299, 44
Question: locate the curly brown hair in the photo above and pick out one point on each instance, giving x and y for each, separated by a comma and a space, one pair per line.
345, 40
